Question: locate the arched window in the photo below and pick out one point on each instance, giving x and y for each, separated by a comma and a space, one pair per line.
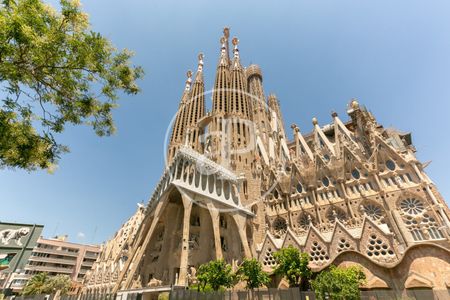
431, 227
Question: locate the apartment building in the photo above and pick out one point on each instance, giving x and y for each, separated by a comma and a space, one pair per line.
57, 256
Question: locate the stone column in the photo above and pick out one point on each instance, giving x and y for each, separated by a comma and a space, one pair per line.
215, 217
344, 192
187, 204
240, 221
316, 205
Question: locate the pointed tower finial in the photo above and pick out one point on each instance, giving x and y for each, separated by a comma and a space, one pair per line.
226, 32
188, 80
199, 75
223, 51
235, 42
200, 62
354, 104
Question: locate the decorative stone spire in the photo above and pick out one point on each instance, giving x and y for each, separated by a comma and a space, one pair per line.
195, 108
238, 101
226, 35
236, 60
179, 126
222, 80
199, 75
187, 87
224, 55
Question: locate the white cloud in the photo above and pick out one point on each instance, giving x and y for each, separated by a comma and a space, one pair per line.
81, 235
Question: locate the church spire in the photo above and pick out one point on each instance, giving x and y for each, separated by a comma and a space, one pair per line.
236, 59
187, 87
199, 75
226, 35
179, 126
196, 106
222, 80
238, 104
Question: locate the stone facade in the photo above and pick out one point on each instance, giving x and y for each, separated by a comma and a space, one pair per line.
104, 273
349, 192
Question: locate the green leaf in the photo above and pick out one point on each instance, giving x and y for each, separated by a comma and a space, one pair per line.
55, 70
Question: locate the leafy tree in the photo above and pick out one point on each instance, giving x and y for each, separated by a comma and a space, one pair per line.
339, 283
251, 272
61, 283
41, 283
216, 274
54, 71
293, 264
36, 285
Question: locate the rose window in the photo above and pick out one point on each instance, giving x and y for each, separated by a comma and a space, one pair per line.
304, 221
412, 206
335, 213
279, 226
373, 211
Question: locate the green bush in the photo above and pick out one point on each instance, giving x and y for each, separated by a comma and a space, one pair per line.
216, 274
339, 283
293, 265
251, 272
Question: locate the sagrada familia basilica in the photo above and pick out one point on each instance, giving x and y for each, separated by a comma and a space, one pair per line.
235, 186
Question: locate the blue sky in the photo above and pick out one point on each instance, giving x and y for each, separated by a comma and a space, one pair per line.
393, 56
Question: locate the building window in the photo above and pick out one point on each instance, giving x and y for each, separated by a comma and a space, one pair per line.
299, 188
325, 181
356, 174
390, 164
373, 211
279, 226
412, 206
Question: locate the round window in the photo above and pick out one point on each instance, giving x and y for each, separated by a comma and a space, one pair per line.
299, 188
356, 174
325, 181
390, 165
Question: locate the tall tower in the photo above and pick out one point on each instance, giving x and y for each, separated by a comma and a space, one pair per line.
196, 107
217, 138
239, 108
179, 126
258, 101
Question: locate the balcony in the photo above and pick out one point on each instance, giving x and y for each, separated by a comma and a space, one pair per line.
56, 252
91, 255
62, 261
87, 263
21, 276
49, 269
